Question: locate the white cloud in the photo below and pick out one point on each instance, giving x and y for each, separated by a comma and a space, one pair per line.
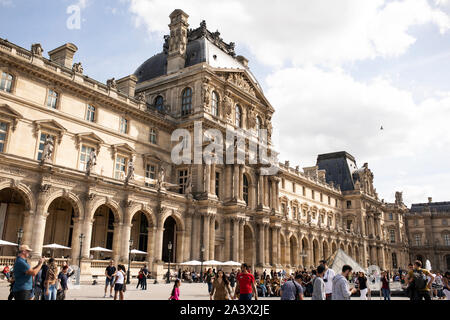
6, 3
320, 32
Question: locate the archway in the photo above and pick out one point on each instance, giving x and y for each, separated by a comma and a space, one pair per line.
333, 247
12, 207
283, 250
326, 254
103, 232
315, 253
248, 246
139, 234
293, 251
394, 260
305, 253
59, 227
170, 235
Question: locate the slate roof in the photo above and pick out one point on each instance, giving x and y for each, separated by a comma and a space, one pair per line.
339, 167
434, 207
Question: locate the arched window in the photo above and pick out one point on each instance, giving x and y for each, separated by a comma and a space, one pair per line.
159, 103
245, 189
215, 104
186, 104
238, 116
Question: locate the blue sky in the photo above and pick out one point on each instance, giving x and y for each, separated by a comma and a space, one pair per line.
335, 71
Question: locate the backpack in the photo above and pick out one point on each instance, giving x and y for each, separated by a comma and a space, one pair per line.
420, 280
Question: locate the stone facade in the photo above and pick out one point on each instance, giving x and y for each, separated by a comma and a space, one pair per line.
429, 233
83, 158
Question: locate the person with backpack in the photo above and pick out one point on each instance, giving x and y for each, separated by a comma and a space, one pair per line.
421, 280
292, 289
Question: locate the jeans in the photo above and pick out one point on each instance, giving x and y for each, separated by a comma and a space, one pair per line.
210, 287
245, 297
51, 292
386, 293
363, 294
144, 283
264, 290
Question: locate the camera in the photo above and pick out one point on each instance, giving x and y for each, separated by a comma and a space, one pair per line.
325, 280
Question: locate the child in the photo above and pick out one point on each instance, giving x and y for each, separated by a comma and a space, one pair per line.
175, 295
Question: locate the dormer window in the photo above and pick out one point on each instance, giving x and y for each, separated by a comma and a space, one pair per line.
52, 99
159, 103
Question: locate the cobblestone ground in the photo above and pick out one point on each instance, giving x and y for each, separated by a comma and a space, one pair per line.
154, 292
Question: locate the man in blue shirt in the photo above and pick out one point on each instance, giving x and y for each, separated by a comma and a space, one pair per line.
24, 274
292, 289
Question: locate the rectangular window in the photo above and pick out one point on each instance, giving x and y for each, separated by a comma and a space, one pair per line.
52, 99
293, 187
392, 235
417, 240
6, 82
304, 191
43, 137
447, 239
153, 136
282, 183
391, 216
150, 172
329, 200
121, 163
217, 183
321, 197
349, 204
84, 157
90, 114
182, 179
3, 135
123, 125
313, 196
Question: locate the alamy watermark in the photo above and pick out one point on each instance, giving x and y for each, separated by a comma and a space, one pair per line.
210, 147
74, 20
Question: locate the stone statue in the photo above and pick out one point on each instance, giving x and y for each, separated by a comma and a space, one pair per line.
36, 49
130, 172
141, 97
227, 104
111, 83
77, 67
47, 153
91, 162
251, 118
398, 198
205, 94
205, 174
161, 177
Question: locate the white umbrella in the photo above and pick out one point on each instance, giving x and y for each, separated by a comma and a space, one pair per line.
213, 263
100, 249
6, 243
55, 246
232, 263
191, 263
134, 251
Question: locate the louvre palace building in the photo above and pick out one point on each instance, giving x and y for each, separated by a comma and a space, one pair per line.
85, 164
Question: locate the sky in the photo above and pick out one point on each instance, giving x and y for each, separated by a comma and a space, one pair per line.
335, 71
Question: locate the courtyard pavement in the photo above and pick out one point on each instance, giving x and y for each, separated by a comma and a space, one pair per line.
161, 291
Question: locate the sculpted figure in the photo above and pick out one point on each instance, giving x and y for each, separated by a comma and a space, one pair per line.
92, 162
77, 67
130, 172
111, 83
47, 153
36, 49
161, 177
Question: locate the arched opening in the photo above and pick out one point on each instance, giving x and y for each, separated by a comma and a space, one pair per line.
326, 254
305, 256
315, 253
12, 206
59, 227
139, 234
170, 235
245, 190
103, 232
159, 103
283, 250
394, 261
248, 246
293, 251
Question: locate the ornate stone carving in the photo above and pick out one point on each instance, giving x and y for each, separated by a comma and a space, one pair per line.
227, 105
398, 198
130, 172
91, 196
251, 118
111, 83
91, 162
161, 177
188, 189
44, 188
240, 81
77, 68
36, 49
47, 154
206, 94
141, 97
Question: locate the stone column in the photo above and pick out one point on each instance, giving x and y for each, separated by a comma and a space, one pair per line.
273, 246
236, 240
227, 243
241, 239
278, 244
159, 243
241, 182
125, 241
321, 255
212, 237
266, 244
187, 237
266, 193
206, 219
212, 179
179, 257
261, 244
118, 243
38, 236
287, 252
75, 252
277, 199
228, 187
28, 220
87, 232
236, 182
195, 237
151, 232
260, 191
207, 179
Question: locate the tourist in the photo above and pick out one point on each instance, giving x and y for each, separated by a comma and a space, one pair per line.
446, 285
421, 279
292, 289
268, 285
119, 282
246, 287
175, 294
341, 290
319, 284
140, 277
385, 289
221, 289
38, 284
23, 274
276, 284
328, 279
50, 282
63, 277
6, 271
110, 273
409, 283
361, 280
144, 278
232, 279
262, 285
208, 278
437, 286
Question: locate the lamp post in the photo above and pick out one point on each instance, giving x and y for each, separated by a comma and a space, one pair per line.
169, 246
19, 238
201, 260
129, 261
79, 259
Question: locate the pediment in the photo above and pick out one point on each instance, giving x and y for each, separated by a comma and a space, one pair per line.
50, 124
125, 148
10, 115
88, 137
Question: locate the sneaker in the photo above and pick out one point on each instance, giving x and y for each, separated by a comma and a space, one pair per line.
111, 296
104, 296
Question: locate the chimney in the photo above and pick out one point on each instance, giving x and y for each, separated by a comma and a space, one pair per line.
243, 60
177, 41
64, 55
127, 85
430, 199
